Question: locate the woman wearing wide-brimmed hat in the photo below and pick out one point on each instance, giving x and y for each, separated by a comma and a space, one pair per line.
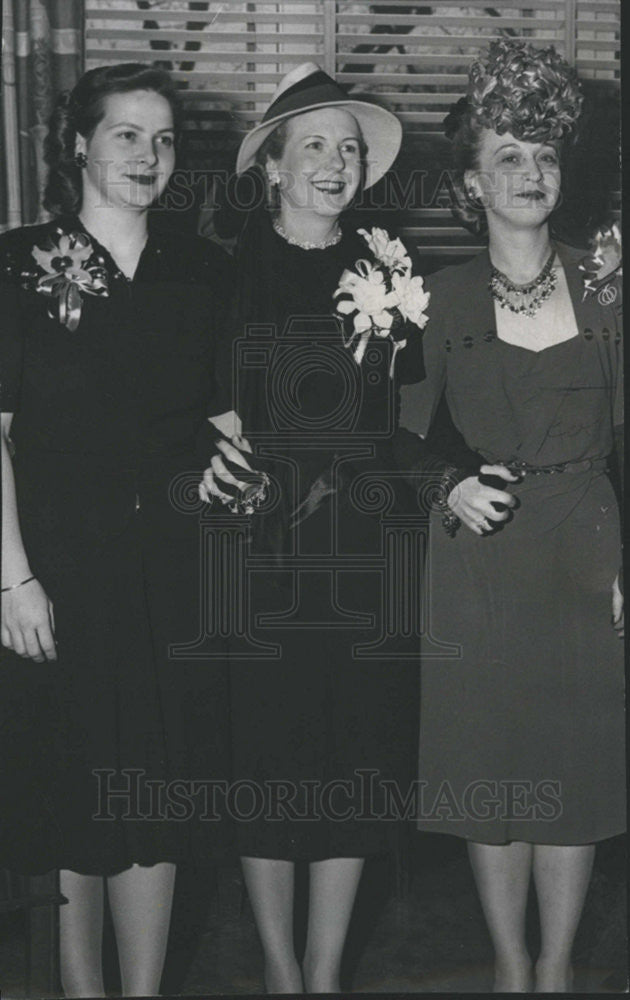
318, 404
315, 714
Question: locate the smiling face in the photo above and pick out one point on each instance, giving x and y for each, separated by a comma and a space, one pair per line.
131, 153
518, 182
321, 163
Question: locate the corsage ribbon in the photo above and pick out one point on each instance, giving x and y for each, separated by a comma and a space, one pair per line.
68, 274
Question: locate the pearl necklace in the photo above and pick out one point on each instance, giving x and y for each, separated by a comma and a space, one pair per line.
524, 299
305, 244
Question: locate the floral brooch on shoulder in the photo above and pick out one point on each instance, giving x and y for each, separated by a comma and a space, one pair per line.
603, 265
67, 268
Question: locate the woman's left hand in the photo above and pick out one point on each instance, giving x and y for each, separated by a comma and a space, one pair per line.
617, 608
210, 486
474, 503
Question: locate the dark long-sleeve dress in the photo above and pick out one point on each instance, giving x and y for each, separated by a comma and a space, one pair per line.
522, 721
105, 425
326, 713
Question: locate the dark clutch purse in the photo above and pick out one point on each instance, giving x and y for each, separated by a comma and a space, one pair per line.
251, 495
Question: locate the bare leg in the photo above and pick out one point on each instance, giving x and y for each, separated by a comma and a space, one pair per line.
270, 886
562, 876
333, 887
140, 899
502, 873
81, 935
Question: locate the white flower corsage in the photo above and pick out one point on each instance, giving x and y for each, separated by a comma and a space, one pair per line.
68, 272
603, 264
381, 297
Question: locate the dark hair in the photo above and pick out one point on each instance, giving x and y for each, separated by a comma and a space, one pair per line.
465, 156
531, 93
78, 112
273, 147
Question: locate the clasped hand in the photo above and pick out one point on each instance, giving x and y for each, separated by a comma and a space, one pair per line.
218, 472
473, 501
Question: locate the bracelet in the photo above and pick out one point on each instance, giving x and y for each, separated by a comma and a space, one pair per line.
16, 585
450, 520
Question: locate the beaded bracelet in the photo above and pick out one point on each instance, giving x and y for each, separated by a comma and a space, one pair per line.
450, 520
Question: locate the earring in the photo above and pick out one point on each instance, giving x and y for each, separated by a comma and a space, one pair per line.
273, 176
81, 160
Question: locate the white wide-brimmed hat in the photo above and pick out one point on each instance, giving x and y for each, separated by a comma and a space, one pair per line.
306, 88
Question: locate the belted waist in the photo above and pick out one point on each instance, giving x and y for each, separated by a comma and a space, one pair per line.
519, 467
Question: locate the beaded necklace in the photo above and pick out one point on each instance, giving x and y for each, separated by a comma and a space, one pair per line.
524, 299
331, 241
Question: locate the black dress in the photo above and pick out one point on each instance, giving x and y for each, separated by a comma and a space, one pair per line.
323, 717
105, 427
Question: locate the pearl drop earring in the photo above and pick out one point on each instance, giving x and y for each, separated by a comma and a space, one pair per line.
273, 176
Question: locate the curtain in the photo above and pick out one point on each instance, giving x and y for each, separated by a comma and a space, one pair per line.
41, 55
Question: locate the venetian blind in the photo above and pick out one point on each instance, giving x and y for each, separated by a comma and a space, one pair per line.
228, 57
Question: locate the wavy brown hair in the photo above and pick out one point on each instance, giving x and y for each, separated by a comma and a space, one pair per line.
78, 112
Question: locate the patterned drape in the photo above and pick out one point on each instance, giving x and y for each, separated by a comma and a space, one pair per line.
41, 55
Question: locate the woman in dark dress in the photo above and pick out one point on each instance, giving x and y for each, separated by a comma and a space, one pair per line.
522, 733
325, 716
317, 711
108, 339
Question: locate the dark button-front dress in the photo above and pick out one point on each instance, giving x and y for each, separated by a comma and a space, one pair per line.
323, 709
522, 718
104, 432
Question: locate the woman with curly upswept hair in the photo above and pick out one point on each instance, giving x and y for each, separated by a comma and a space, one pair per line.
522, 728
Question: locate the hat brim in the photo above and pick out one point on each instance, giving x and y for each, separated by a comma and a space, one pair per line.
380, 128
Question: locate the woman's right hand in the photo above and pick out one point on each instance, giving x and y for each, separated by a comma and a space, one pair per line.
472, 501
28, 624
210, 486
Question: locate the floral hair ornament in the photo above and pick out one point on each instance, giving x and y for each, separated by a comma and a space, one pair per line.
603, 264
531, 93
383, 297
69, 271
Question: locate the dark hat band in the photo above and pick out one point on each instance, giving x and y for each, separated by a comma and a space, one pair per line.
319, 87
